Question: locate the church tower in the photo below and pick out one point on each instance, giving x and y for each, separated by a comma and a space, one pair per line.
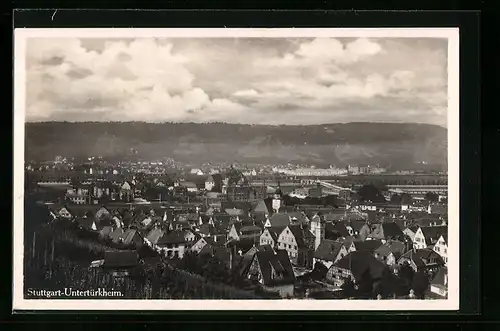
277, 200
318, 229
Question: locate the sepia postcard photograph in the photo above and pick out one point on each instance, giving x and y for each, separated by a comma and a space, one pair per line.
236, 169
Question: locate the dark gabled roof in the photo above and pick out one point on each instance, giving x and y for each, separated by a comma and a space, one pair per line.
248, 227
413, 227
445, 237
274, 232
397, 248
172, 237
211, 241
221, 217
208, 229
367, 245
155, 234
356, 225
128, 236
386, 231
280, 262
280, 220
105, 231
237, 227
359, 262
432, 233
298, 216
337, 227
300, 234
116, 235
264, 206
421, 256
120, 259
259, 218
328, 250
204, 219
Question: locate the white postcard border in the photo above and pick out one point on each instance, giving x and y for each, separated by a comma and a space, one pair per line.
451, 303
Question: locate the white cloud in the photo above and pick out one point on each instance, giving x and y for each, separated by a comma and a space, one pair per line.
251, 81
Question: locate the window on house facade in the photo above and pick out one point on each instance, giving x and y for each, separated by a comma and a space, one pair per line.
445, 250
437, 248
176, 254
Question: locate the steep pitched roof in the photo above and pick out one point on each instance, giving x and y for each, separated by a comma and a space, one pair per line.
116, 235
128, 236
105, 231
359, 262
208, 229
172, 237
337, 227
356, 225
423, 257
301, 235
274, 232
386, 231
397, 248
278, 262
154, 235
264, 206
432, 233
367, 245
280, 220
328, 250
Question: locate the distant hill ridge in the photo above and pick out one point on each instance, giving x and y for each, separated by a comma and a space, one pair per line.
395, 144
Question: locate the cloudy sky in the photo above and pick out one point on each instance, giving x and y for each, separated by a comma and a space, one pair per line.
250, 80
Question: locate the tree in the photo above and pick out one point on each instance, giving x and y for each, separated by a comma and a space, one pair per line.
386, 285
431, 197
365, 284
396, 199
406, 199
370, 193
420, 284
330, 200
348, 288
406, 272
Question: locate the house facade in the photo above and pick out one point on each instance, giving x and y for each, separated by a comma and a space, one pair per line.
270, 237
439, 284
329, 252
172, 244
429, 235
441, 247
299, 244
